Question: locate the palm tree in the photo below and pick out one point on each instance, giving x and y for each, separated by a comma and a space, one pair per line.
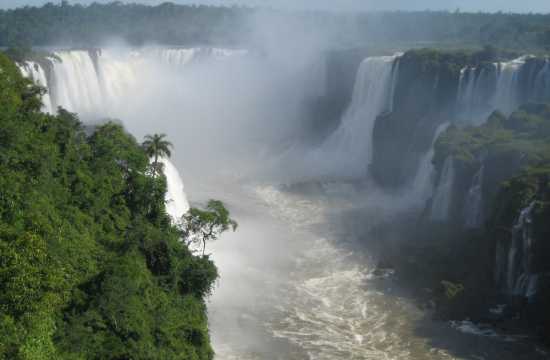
155, 147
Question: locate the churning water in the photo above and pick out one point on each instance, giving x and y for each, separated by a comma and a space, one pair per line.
321, 299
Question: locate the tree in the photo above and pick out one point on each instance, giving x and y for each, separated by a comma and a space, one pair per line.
201, 226
155, 147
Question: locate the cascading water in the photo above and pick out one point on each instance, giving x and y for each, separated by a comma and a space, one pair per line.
176, 199
424, 180
475, 87
36, 73
473, 206
502, 86
441, 203
348, 151
518, 277
92, 82
506, 98
77, 86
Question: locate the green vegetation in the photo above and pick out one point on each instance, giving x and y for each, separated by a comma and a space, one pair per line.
207, 225
156, 147
168, 23
91, 266
525, 133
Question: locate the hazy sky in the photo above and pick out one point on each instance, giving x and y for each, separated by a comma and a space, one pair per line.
465, 5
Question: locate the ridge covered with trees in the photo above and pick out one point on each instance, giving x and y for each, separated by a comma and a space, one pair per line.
62, 24
91, 265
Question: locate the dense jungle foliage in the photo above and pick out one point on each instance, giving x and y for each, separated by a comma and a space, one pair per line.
60, 23
91, 266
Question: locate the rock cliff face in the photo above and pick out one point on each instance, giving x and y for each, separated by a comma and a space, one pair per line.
501, 198
424, 98
485, 226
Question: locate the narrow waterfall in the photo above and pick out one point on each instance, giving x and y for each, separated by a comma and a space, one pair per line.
473, 207
424, 181
520, 280
474, 89
36, 73
176, 199
441, 204
506, 98
350, 146
395, 78
542, 83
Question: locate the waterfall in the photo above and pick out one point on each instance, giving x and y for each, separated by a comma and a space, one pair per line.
473, 207
474, 88
542, 83
441, 205
424, 180
36, 73
349, 148
395, 78
98, 83
520, 280
506, 98
482, 90
91, 83
76, 83
176, 199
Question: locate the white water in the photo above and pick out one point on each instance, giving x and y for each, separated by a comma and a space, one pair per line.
482, 91
176, 199
473, 206
441, 203
98, 83
473, 105
519, 279
506, 98
347, 153
424, 181
36, 73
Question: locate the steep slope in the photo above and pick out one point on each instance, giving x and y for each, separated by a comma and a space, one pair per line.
91, 265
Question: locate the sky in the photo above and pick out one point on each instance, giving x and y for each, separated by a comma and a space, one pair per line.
542, 6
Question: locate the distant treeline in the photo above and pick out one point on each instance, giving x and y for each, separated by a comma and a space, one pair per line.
168, 23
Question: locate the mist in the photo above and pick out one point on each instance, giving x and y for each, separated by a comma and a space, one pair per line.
336, 141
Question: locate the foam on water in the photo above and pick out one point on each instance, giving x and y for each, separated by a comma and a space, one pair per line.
328, 306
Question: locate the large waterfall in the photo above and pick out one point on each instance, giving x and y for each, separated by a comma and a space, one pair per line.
98, 84
95, 83
348, 151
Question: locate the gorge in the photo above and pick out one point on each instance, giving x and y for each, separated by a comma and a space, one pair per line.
419, 146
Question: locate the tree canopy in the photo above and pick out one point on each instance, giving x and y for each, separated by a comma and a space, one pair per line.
91, 266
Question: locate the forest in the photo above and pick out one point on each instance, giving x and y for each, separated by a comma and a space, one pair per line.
63, 24
91, 265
